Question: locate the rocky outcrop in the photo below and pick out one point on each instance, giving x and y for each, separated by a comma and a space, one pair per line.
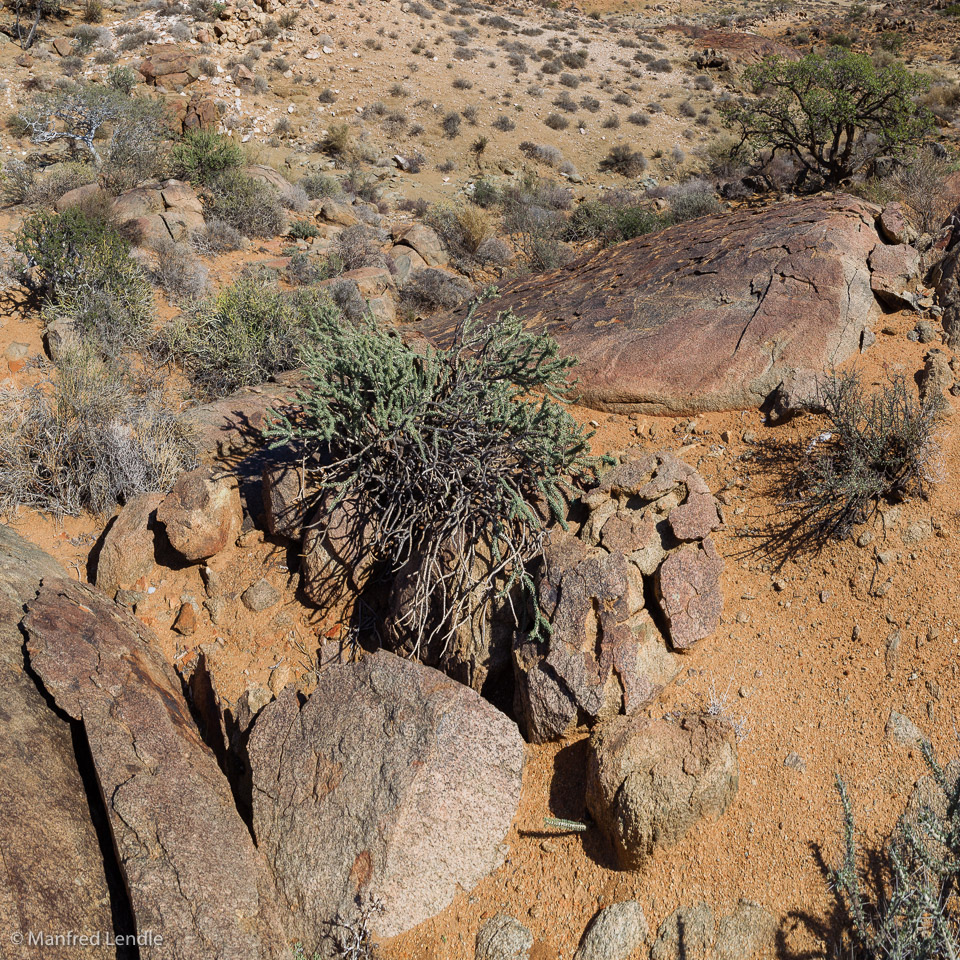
171, 67
202, 513
158, 213
194, 877
52, 874
644, 556
389, 781
711, 314
650, 781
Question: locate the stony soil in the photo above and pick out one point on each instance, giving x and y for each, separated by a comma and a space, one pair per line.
785, 659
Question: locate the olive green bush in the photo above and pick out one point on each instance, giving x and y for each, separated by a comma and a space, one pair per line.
245, 333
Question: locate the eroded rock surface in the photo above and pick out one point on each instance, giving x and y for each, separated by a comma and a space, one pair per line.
193, 874
650, 781
643, 556
52, 874
390, 781
714, 313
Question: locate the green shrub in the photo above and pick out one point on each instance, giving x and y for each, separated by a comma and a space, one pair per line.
62, 249
833, 113
89, 439
611, 222
623, 159
455, 455
319, 186
303, 230
912, 911
123, 79
245, 334
248, 205
203, 155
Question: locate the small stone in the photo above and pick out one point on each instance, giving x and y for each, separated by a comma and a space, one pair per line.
260, 595
824, 596
687, 934
280, 676
749, 436
865, 539
926, 332
186, 622
745, 932
503, 938
903, 730
794, 761
217, 607
614, 933
16, 351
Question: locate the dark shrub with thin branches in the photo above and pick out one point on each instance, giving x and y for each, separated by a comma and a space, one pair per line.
455, 455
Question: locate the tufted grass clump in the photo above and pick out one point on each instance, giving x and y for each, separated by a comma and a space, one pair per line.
88, 439
457, 455
912, 911
203, 155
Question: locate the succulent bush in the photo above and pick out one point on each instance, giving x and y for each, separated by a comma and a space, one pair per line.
454, 454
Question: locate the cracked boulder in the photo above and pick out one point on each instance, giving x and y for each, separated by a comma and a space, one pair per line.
52, 873
641, 576
712, 314
194, 877
390, 781
650, 781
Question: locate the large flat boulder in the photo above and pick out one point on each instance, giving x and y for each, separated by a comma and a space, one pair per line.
52, 874
194, 877
390, 781
711, 314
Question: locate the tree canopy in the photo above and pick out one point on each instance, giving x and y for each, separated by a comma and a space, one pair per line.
833, 113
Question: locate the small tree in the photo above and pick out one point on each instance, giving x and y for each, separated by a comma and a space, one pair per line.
833, 113
31, 11
82, 114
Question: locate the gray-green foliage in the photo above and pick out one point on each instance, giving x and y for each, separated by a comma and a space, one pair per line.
88, 439
248, 205
914, 913
454, 454
245, 333
880, 444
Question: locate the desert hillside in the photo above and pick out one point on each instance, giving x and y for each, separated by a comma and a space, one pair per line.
476, 480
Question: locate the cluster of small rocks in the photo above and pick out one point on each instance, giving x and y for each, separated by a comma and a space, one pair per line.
621, 931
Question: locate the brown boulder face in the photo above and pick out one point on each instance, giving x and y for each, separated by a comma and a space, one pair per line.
189, 864
138, 202
424, 241
710, 314
52, 875
604, 655
688, 586
76, 196
891, 270
265, 174
126, 556
650, 781
168, 65
389, 781
894, 226
202, 513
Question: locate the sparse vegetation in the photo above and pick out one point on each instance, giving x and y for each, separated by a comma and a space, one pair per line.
88, 439
203, 155
905, 904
